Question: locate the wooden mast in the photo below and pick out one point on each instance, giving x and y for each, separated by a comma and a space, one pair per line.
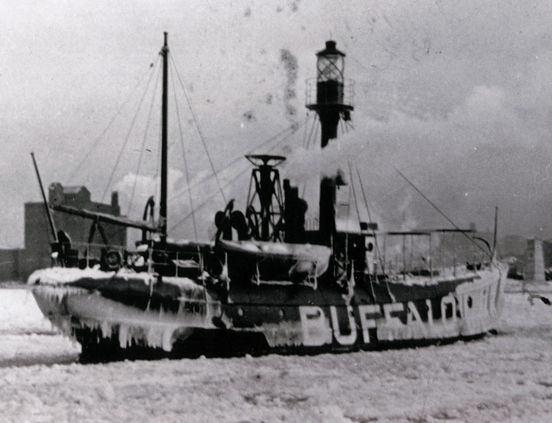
164, 143
46, 206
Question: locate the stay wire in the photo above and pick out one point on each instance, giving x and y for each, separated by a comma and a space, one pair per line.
208, 199
143, 142
238, 175
126, 138
358, 214
199, 131
190, 197
379, 256
94, 145
305, 139
313, 132
363, 193
240, 157
353, 189
312, 136
441, 213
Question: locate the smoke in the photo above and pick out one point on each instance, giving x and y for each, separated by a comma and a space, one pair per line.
291, 67
486, 152
134, 191
191, 207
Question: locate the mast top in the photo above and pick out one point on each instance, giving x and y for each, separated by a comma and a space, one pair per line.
330, 50
165, 47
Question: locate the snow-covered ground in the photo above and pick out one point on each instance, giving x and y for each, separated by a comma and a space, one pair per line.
502, 378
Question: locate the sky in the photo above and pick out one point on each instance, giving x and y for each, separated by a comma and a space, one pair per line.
456, 95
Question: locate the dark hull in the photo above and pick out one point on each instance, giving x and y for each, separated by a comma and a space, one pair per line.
125, 316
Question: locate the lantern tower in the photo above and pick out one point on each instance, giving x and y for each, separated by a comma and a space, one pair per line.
332, 102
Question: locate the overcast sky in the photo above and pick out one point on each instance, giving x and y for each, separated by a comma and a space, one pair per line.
457, 95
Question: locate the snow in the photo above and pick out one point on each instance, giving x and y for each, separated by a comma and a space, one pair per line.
66, 275
501, 378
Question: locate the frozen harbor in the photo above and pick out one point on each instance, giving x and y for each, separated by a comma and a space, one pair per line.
503, 378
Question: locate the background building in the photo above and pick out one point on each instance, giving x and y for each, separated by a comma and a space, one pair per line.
18, 264
10, 263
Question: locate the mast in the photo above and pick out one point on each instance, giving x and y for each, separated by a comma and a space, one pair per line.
48, 212
164, 143
495, 233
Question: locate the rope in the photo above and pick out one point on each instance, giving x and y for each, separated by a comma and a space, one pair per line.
353, 189
293, 128
442, 213
376, 245
87, 155
143, 144
207, 200
199, 132
305, 133
126, 139
185, 163
314, 128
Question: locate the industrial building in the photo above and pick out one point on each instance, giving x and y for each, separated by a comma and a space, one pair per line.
18, 264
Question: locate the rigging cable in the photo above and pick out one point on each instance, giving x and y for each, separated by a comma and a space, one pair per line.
442, 213
376, 246
208, 199
353, 190
305, 133
349, 125
314, 128
126, 139
185, 162
143, 144
293, 128
199, 131
347, 240
312, 136
87, 155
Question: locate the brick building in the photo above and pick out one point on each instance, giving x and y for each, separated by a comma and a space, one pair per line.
10, 263
19, 264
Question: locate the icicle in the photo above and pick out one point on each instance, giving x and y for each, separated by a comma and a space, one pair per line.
124, 336
257, 279
350, 285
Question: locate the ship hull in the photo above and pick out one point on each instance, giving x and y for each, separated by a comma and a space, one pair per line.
271, 318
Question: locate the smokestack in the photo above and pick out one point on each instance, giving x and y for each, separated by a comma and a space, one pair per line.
295, 209
115, 203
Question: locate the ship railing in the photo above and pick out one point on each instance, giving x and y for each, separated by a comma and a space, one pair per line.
442, 253
85, 254
343, 94
143, 258
311, 223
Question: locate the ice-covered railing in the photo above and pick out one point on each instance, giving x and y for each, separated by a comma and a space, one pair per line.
442, 253
89, 254
174, 259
